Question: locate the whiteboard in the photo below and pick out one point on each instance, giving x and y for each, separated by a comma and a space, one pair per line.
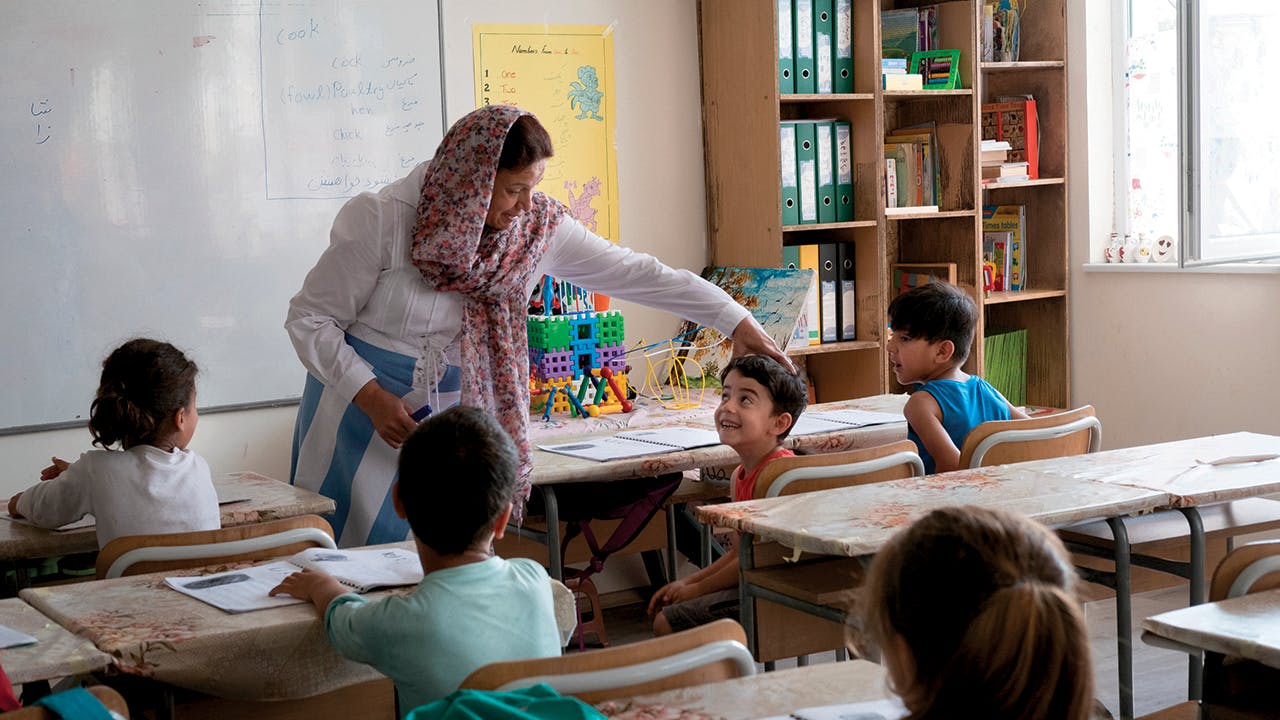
172, 168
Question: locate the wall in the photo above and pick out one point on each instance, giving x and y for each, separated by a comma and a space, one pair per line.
1161, 356
660, 176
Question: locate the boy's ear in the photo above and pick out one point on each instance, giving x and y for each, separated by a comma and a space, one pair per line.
944, 350
779, 423
500, 523
395, 502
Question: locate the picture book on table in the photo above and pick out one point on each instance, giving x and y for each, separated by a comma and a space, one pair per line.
776, 298
246, 589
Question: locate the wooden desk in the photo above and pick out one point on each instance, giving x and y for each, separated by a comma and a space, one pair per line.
1247, 626
57, 653
269, 499
774, 693
552, 470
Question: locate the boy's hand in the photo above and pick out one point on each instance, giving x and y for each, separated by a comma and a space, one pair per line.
55, 469
673, 592
313, 586
13, 505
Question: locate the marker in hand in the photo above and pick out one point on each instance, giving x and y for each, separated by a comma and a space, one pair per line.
421, 413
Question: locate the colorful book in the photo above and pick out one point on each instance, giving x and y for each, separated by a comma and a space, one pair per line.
1008, 223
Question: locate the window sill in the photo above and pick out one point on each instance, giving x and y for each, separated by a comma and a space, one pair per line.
1260, 268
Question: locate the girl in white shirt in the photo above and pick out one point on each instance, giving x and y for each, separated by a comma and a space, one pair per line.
146, 403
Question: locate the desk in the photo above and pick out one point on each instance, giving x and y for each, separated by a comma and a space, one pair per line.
551, 470
774, 693
268, 500
57, 653
1247, 626
152, 630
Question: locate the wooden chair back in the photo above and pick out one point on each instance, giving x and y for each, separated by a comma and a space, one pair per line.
1247, 569
108, 697
704, 654
806, 473
1000, 442
259, 541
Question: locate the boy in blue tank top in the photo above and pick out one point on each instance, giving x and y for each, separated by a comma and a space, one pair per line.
930, 331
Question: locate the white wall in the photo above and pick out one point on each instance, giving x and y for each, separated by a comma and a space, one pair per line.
660, 179
1161, 356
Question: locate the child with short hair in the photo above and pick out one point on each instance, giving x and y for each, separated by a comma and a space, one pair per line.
974, 614
146, 402
930, 330
759, 404
456, 484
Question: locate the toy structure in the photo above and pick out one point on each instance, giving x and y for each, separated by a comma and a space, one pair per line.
578, 363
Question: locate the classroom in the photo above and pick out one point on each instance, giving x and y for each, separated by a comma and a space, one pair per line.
195, 249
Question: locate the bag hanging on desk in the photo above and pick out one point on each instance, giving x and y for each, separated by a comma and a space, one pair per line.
634, 502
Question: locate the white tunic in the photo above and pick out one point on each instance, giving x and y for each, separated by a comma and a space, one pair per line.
140, 491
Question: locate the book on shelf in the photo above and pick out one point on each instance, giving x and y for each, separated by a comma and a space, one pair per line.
1004, 170
1001, 30
1013, 119
1010, 219
903, 82
786, 49
994, 151
899, 33
635, 443
1006, 179
910, 275
246, 589
925, 138
824, 66
890, 182
907, 164
911, 210
995, 254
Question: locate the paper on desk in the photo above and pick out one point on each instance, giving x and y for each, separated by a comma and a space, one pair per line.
856, 418
84, 522
238, 591
888, 709
12, 638
634, 443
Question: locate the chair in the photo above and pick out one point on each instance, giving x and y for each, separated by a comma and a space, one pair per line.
704, 654
1000, 442
1235, 687
796, 604
105, 695
136, 554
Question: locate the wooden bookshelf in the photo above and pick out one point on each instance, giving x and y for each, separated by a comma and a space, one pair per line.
741, 111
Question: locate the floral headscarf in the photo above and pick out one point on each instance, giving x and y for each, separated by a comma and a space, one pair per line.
490, 269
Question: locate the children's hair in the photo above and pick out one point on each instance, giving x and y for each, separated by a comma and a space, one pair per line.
144, 382
983, 600
457, 473
527, 142
936, 311
788, 392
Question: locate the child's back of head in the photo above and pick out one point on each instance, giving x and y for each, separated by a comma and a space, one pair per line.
934, 312
144, 383
974, 613
457, 474
787, 392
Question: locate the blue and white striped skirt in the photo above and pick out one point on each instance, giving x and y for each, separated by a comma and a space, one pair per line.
337, 453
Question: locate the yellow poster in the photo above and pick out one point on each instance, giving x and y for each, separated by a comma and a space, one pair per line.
563, 74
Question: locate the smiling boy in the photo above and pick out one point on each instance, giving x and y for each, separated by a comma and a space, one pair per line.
759, 405
931, 329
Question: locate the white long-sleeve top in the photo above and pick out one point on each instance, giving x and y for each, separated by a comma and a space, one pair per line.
140, 491
365, 284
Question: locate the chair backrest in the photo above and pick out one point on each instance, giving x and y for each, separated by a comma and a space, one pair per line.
806, 473
1000, 442
1247, 569
136, 554
566, 608
704, 654
105, 695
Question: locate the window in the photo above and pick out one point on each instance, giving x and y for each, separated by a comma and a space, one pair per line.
1201, 155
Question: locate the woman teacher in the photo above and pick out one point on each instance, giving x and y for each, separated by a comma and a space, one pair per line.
420, 301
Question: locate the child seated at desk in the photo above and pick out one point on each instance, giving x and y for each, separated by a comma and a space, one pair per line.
759, 404
930, 330
974, 615
456, 484
146, 402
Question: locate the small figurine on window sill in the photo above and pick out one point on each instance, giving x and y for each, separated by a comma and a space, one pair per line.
1164, 249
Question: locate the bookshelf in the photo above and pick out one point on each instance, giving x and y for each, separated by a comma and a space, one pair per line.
742, 107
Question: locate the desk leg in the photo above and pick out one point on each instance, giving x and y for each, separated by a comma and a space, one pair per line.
552, 510
1195, 663
670, 512
746, 600
1124, 621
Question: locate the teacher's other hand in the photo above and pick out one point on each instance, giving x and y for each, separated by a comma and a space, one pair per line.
750, 339
389, 415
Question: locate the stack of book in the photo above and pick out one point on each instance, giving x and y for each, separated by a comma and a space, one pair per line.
1004, 246
1013, 119
830, 312
912, 169
817, 171
894, 75
815, 46
996, 167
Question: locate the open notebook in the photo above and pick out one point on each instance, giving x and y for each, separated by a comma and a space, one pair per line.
634, 443
832, 420
888, 709
244, 590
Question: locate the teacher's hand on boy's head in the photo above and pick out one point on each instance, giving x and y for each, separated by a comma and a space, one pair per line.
390, 417
750, 339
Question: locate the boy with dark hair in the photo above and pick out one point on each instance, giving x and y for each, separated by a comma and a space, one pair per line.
456, 483
759, 404
930, 330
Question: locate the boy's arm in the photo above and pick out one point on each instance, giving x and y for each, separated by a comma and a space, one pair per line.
315, 587
719, 575
1015, 412
925, 417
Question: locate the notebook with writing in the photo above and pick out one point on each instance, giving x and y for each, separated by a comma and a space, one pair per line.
811, 423
245, 590
634, 443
